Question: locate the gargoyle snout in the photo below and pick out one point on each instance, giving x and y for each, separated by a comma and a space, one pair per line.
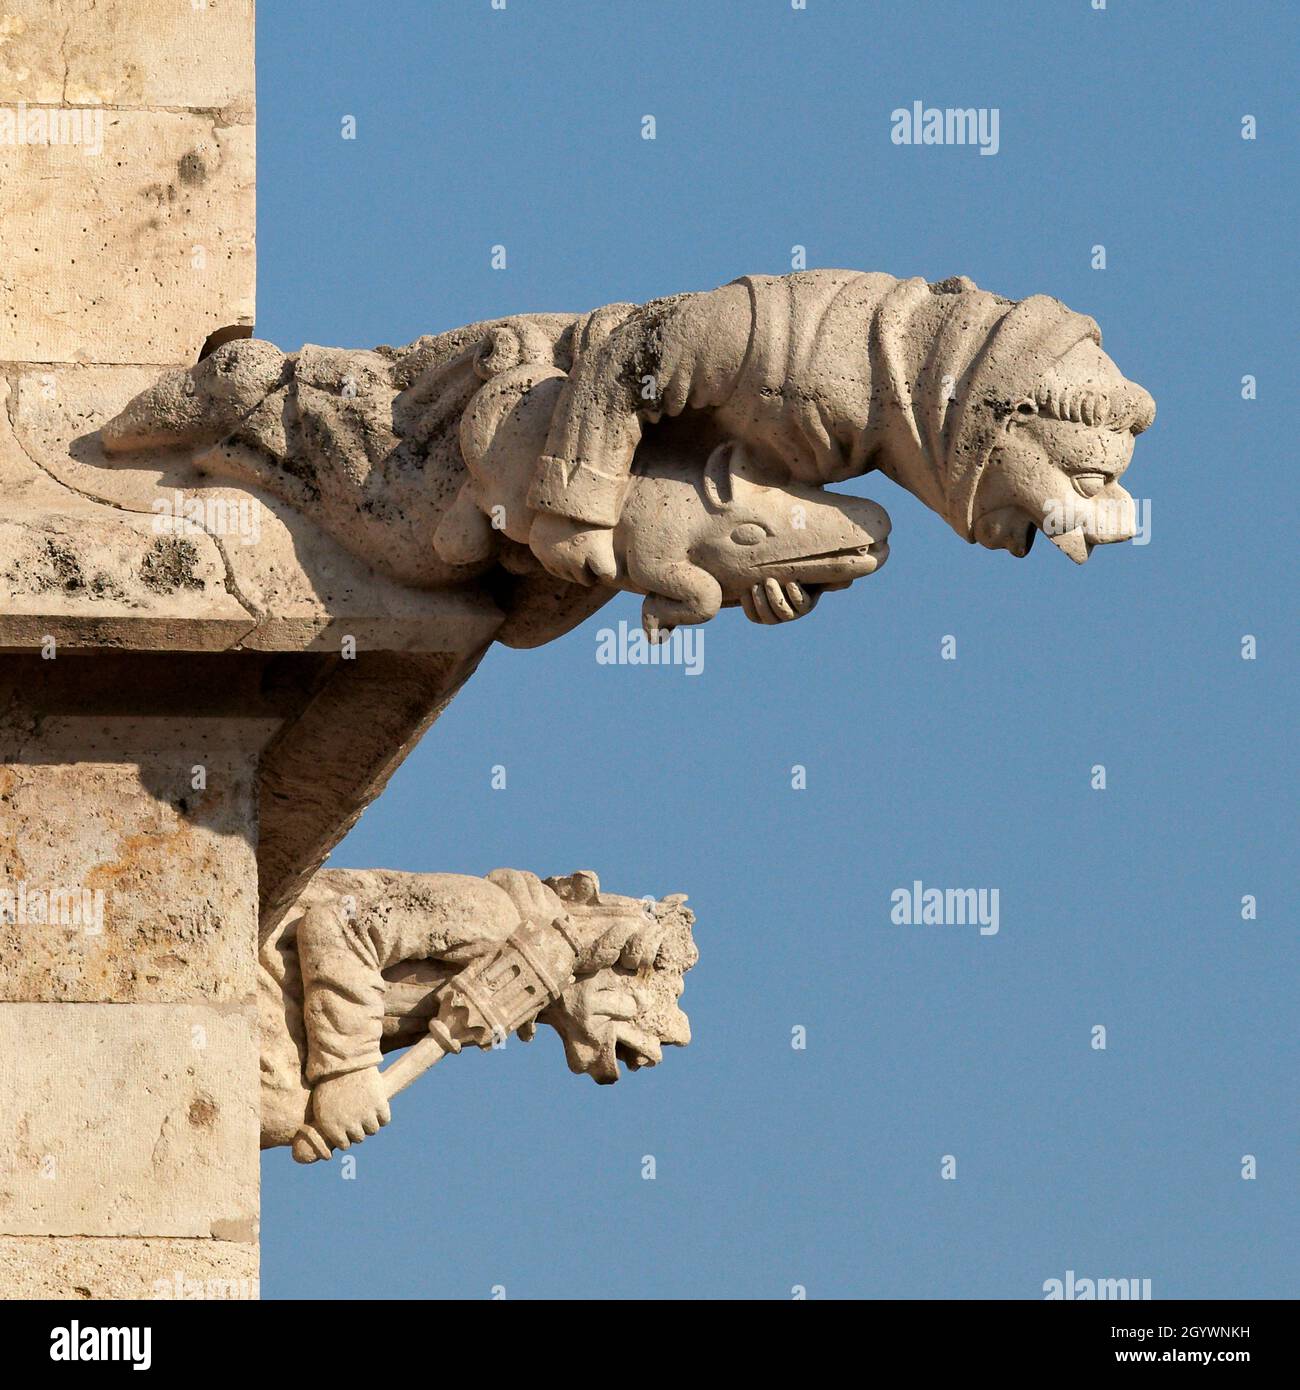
833, 539
867, 516
1079, 527
848, 523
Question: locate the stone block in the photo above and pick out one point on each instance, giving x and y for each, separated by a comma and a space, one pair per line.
123, 882
165, 258
133, 53
128, 1120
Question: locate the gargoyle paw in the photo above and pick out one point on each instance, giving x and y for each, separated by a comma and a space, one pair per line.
773, 602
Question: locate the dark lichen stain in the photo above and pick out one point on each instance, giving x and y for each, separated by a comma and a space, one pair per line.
64, 569
192, 170
169, 565
202, 1112
956, 284
304, 471
57, 568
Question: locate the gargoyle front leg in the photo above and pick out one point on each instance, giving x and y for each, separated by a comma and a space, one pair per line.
676, 593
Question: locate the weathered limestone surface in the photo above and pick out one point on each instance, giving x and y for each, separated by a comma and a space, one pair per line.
150, 53
171, 240
128, 1053
160, 878
128, 792
77, 1268
292, 747
126, 178
128, 1120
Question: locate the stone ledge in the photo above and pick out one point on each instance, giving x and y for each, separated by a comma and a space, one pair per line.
87, 558
33, 1267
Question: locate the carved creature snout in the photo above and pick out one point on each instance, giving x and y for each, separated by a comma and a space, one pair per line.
695, 539
792, 533
693, 535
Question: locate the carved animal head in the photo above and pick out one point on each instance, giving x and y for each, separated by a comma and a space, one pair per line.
1015, 421
1055, 466
754, 529
694, 544
627, 1010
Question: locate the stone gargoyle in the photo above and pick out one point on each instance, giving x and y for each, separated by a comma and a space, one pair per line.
371, 961
679, 449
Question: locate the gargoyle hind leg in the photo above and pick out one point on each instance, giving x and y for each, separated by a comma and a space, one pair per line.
464, 535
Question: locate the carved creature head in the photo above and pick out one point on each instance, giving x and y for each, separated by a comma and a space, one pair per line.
627, 1010
1011, 419
1056, 465
694, 542
757, 529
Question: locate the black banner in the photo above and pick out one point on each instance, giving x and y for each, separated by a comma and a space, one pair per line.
248, 1338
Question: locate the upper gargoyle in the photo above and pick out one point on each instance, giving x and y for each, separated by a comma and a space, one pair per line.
677, 448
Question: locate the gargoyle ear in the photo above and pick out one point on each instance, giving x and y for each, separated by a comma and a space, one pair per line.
717, 478
510, 344
582, 887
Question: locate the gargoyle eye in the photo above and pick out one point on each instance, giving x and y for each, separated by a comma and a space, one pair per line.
750, 533
1026, 408
1089, 484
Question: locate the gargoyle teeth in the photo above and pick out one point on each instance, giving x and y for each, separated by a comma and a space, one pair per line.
1074, 544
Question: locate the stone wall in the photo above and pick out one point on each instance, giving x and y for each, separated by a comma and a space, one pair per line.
128, 1052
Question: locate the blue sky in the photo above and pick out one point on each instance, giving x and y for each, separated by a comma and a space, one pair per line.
820, 1168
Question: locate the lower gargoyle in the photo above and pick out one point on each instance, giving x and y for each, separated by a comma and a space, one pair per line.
371, 961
